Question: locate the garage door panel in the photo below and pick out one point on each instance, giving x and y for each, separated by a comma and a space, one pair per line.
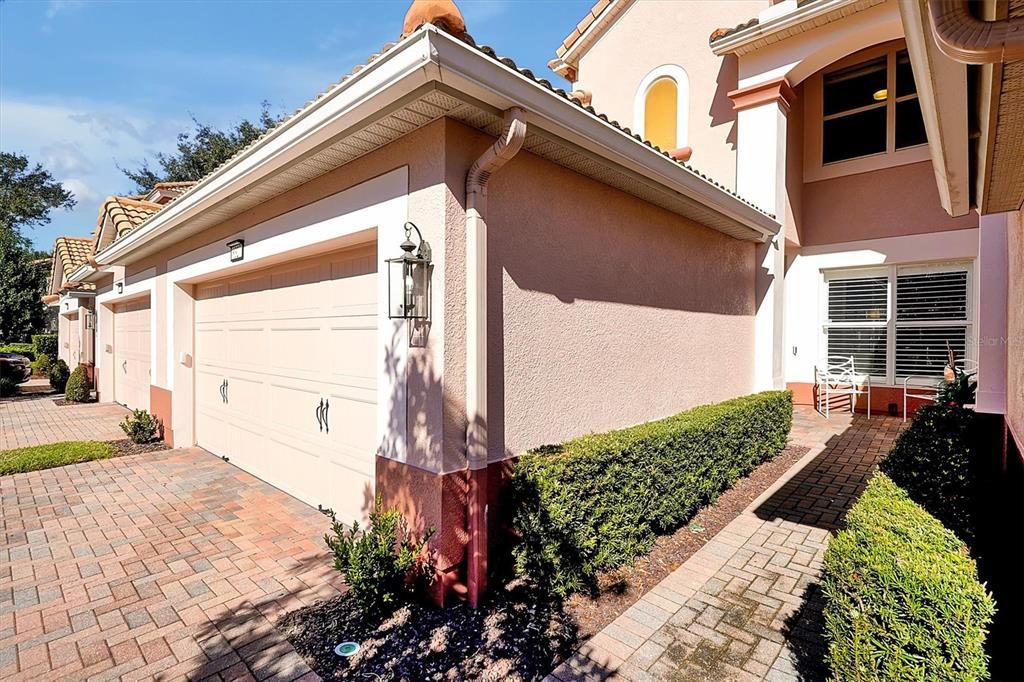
132, 353
351, 442
290, 337
294, 410
349, 348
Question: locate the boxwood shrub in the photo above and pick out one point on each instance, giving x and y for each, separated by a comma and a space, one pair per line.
597, 502
903, 597
77, 390
45, 343
935, 461
26, 349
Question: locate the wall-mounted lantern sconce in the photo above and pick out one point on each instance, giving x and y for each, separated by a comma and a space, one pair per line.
120, 287
409, 279
237, 247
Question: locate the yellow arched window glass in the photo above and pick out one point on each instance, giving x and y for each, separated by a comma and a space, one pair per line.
660, 113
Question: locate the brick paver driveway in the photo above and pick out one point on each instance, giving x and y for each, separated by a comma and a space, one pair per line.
170, 566
747, 605
34, 419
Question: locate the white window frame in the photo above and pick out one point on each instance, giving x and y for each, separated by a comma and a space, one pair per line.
682, 81
890, 323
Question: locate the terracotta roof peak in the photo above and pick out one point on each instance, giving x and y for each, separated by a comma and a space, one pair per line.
441, 13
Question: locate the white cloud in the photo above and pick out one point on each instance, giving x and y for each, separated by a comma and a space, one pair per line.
82, 142
54, 8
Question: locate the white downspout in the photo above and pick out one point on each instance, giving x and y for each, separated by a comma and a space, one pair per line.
500, 153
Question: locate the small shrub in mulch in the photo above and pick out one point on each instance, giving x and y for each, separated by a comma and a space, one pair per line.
141, 427
518, 633
59, 374
8, 388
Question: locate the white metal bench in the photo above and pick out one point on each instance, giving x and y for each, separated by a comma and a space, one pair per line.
837, 375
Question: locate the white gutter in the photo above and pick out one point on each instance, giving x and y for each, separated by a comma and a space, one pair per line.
496, 156
974, 41
805, 13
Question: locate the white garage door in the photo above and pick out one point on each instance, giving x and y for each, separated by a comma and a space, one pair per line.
131, 354
286, 377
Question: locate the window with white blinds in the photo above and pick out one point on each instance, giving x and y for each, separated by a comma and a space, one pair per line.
897, 321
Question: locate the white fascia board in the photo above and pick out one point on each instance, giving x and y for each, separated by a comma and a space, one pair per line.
944, 108
803, 13
306, 130
500, 86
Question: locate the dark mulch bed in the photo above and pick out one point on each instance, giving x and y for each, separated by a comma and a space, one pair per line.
126, 447
519, 633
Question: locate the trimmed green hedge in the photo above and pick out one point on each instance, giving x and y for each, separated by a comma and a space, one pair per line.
935, 461
903, 597
599, 501
26, 349
45, 343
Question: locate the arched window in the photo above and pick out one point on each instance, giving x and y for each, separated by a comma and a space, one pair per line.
661, 107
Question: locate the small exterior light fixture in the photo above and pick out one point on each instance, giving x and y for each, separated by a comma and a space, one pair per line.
881, 95
120, 287
237, 247
409, 279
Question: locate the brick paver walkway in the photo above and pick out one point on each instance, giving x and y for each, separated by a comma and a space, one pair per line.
34, 419
170, 566
747, 605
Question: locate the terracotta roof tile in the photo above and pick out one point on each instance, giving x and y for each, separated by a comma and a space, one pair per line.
582, 26
70, 253
125, 213
720, 33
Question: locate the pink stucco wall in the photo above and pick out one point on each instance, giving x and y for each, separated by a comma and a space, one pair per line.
892, 202
604, 311
652, 33
1015, 326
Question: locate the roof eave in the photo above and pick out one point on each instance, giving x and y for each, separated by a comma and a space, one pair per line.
432, 56
805, 13
944, 108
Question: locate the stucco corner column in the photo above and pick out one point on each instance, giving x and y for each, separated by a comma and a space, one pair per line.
993, 313
477, 445
762, 112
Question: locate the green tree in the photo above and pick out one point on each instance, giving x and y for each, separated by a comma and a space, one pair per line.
28, 193
200, 151
22, 285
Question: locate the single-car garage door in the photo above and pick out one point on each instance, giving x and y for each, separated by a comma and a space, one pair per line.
131, 354
286, 376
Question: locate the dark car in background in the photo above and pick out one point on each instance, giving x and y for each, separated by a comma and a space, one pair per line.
16, 367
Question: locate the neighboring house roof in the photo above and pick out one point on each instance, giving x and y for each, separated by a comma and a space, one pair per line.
118, 216
587, 31
438, 79
68, 254
166, 192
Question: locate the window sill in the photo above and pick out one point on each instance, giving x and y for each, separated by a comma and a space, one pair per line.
867, 164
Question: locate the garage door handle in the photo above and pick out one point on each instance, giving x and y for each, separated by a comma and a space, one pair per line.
224, 391
327, 423
124, 366
320, 414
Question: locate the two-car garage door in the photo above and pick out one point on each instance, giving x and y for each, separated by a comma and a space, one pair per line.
286, 377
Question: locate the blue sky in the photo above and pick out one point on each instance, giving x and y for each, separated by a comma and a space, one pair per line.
86, 86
